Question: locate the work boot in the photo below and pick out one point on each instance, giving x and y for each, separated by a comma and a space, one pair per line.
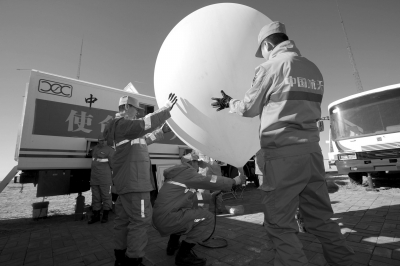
95, 217
119, 257
104, 218
173, 244
133, 262
187, 257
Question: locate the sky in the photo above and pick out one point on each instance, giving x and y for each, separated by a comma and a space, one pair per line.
122, 39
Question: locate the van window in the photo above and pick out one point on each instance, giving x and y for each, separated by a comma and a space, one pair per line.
147, 109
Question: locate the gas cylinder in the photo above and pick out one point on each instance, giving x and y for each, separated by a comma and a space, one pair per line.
79, 207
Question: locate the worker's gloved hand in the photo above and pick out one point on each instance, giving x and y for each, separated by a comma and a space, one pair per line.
214, 195
221, 103
241, 178
166, 128
241, 171
172, 99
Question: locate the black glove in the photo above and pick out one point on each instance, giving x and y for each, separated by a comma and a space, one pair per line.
166, 128
214, 195
221, 103
172, 99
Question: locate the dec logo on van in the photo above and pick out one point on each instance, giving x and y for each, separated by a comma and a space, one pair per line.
55, 88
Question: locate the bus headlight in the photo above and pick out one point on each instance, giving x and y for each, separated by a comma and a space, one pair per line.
351, 156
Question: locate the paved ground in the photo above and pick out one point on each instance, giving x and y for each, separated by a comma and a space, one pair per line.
369, 220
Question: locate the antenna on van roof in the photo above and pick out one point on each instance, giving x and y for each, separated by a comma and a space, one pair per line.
80, 60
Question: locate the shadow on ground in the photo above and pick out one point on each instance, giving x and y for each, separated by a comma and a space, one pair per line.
370, 221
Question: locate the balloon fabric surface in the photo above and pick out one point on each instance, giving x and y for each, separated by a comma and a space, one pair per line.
210, 50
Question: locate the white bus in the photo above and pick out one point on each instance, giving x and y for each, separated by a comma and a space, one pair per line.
365, 133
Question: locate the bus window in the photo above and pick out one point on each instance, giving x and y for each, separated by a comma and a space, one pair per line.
371, 114
390, 117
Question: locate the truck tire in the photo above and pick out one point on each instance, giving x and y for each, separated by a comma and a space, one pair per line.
356, 178
378, 174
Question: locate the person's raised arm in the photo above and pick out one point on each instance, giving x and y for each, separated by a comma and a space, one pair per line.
156, 135
253, 99
139, 127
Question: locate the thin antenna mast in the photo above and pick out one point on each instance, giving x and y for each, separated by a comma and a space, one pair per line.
352, 61
80, 60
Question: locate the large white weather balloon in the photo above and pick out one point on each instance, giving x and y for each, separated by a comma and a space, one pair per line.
210, 50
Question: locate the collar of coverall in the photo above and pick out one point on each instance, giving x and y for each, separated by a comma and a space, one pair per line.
187, 164
286, 46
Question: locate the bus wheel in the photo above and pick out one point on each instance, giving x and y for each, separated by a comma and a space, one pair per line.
355, 178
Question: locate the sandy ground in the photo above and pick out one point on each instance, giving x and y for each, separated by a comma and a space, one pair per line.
16, 209
386, 186
16, 202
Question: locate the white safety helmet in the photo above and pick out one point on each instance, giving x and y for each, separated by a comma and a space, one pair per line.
267, 30
193, 156
129, 100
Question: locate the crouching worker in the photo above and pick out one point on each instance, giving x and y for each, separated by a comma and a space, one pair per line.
176, 212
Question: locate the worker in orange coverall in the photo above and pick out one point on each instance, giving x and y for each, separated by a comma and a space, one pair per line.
132, 175
286, 94
178, 207
100, 180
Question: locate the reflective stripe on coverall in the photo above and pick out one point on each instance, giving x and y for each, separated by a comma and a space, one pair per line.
210, 167
101, 194
259, 163
133, 217
287, 93
174, 210
132, 178
100, 177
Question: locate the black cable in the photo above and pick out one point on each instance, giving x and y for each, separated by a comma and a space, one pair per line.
224, 242
215, 216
